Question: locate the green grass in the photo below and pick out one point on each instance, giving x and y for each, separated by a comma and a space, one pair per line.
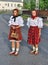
2, 12
5, 12
25, 16
46, 22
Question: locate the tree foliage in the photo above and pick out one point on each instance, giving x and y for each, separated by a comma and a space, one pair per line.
43, 4
31, 4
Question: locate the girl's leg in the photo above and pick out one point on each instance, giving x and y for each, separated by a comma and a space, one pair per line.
13, 47
33, 51
17, 48
36, 49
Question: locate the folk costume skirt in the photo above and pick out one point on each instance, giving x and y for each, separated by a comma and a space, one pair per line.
33, 35
15, 34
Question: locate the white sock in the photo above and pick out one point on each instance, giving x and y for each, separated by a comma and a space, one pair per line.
33, 48
13, 49
37, 49
17, 49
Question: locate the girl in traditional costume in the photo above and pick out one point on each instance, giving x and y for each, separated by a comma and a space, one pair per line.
35, 24
15, 35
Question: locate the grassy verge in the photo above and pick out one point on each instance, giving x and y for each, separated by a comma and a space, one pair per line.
25, 16
1, 12
5, 12
46, 22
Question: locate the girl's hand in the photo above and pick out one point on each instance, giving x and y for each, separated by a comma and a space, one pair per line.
18, 27
39, 33
13, 27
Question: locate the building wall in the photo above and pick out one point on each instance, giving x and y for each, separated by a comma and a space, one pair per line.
10, 5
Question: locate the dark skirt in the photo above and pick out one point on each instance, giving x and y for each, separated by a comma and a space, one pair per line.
33, 35
15, 34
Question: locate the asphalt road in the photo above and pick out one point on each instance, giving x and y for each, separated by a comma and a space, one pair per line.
24, 58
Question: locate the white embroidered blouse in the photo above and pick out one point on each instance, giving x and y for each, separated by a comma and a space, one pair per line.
35, 22
19, 21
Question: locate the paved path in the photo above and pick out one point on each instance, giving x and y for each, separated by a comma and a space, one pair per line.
24, 57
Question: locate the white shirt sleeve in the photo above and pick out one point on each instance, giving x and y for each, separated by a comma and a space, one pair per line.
40, 23
20, 21
10, 21
28, 22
